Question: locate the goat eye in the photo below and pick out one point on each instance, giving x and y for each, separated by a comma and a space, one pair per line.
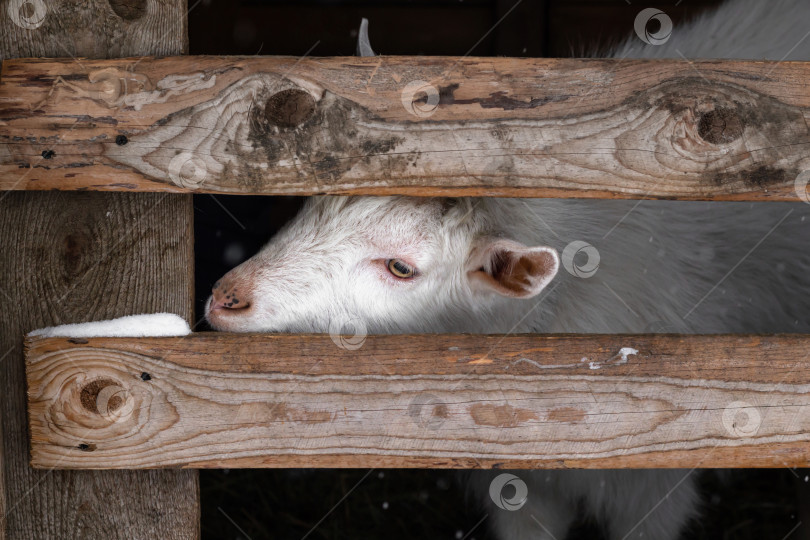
400, 269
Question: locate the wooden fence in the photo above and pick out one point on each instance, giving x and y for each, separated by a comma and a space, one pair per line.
721, 130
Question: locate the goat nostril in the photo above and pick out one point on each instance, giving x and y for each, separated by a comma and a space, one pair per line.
226, 298
229, 304
235, 303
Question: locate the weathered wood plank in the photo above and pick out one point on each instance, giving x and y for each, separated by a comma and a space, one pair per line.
3, 503
73, 257
231, 400
731, 130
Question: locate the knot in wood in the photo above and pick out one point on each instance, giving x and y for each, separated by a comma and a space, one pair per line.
27, 10
289, 108
720, 126
129, 10
104, 396
76, 250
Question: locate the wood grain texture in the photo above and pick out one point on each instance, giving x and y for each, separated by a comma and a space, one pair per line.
729, 130
556, 401
75, 257
72, 257
3, 502
92, 28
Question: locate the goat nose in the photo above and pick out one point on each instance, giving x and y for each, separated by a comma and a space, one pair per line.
227, 296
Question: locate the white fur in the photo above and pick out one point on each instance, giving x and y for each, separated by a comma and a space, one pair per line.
664, 267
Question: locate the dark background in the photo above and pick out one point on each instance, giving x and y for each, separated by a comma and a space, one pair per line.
394, 504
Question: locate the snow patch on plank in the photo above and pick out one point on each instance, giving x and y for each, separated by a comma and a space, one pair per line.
625, 352
148, 325
622, 355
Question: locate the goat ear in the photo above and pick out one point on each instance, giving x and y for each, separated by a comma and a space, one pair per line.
512, 269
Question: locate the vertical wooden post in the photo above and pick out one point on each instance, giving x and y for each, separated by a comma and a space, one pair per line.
2, 487
73, 257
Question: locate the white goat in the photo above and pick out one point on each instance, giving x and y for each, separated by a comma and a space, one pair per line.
450, 265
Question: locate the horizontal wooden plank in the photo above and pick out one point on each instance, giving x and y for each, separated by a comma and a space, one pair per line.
555, 401
730, 130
